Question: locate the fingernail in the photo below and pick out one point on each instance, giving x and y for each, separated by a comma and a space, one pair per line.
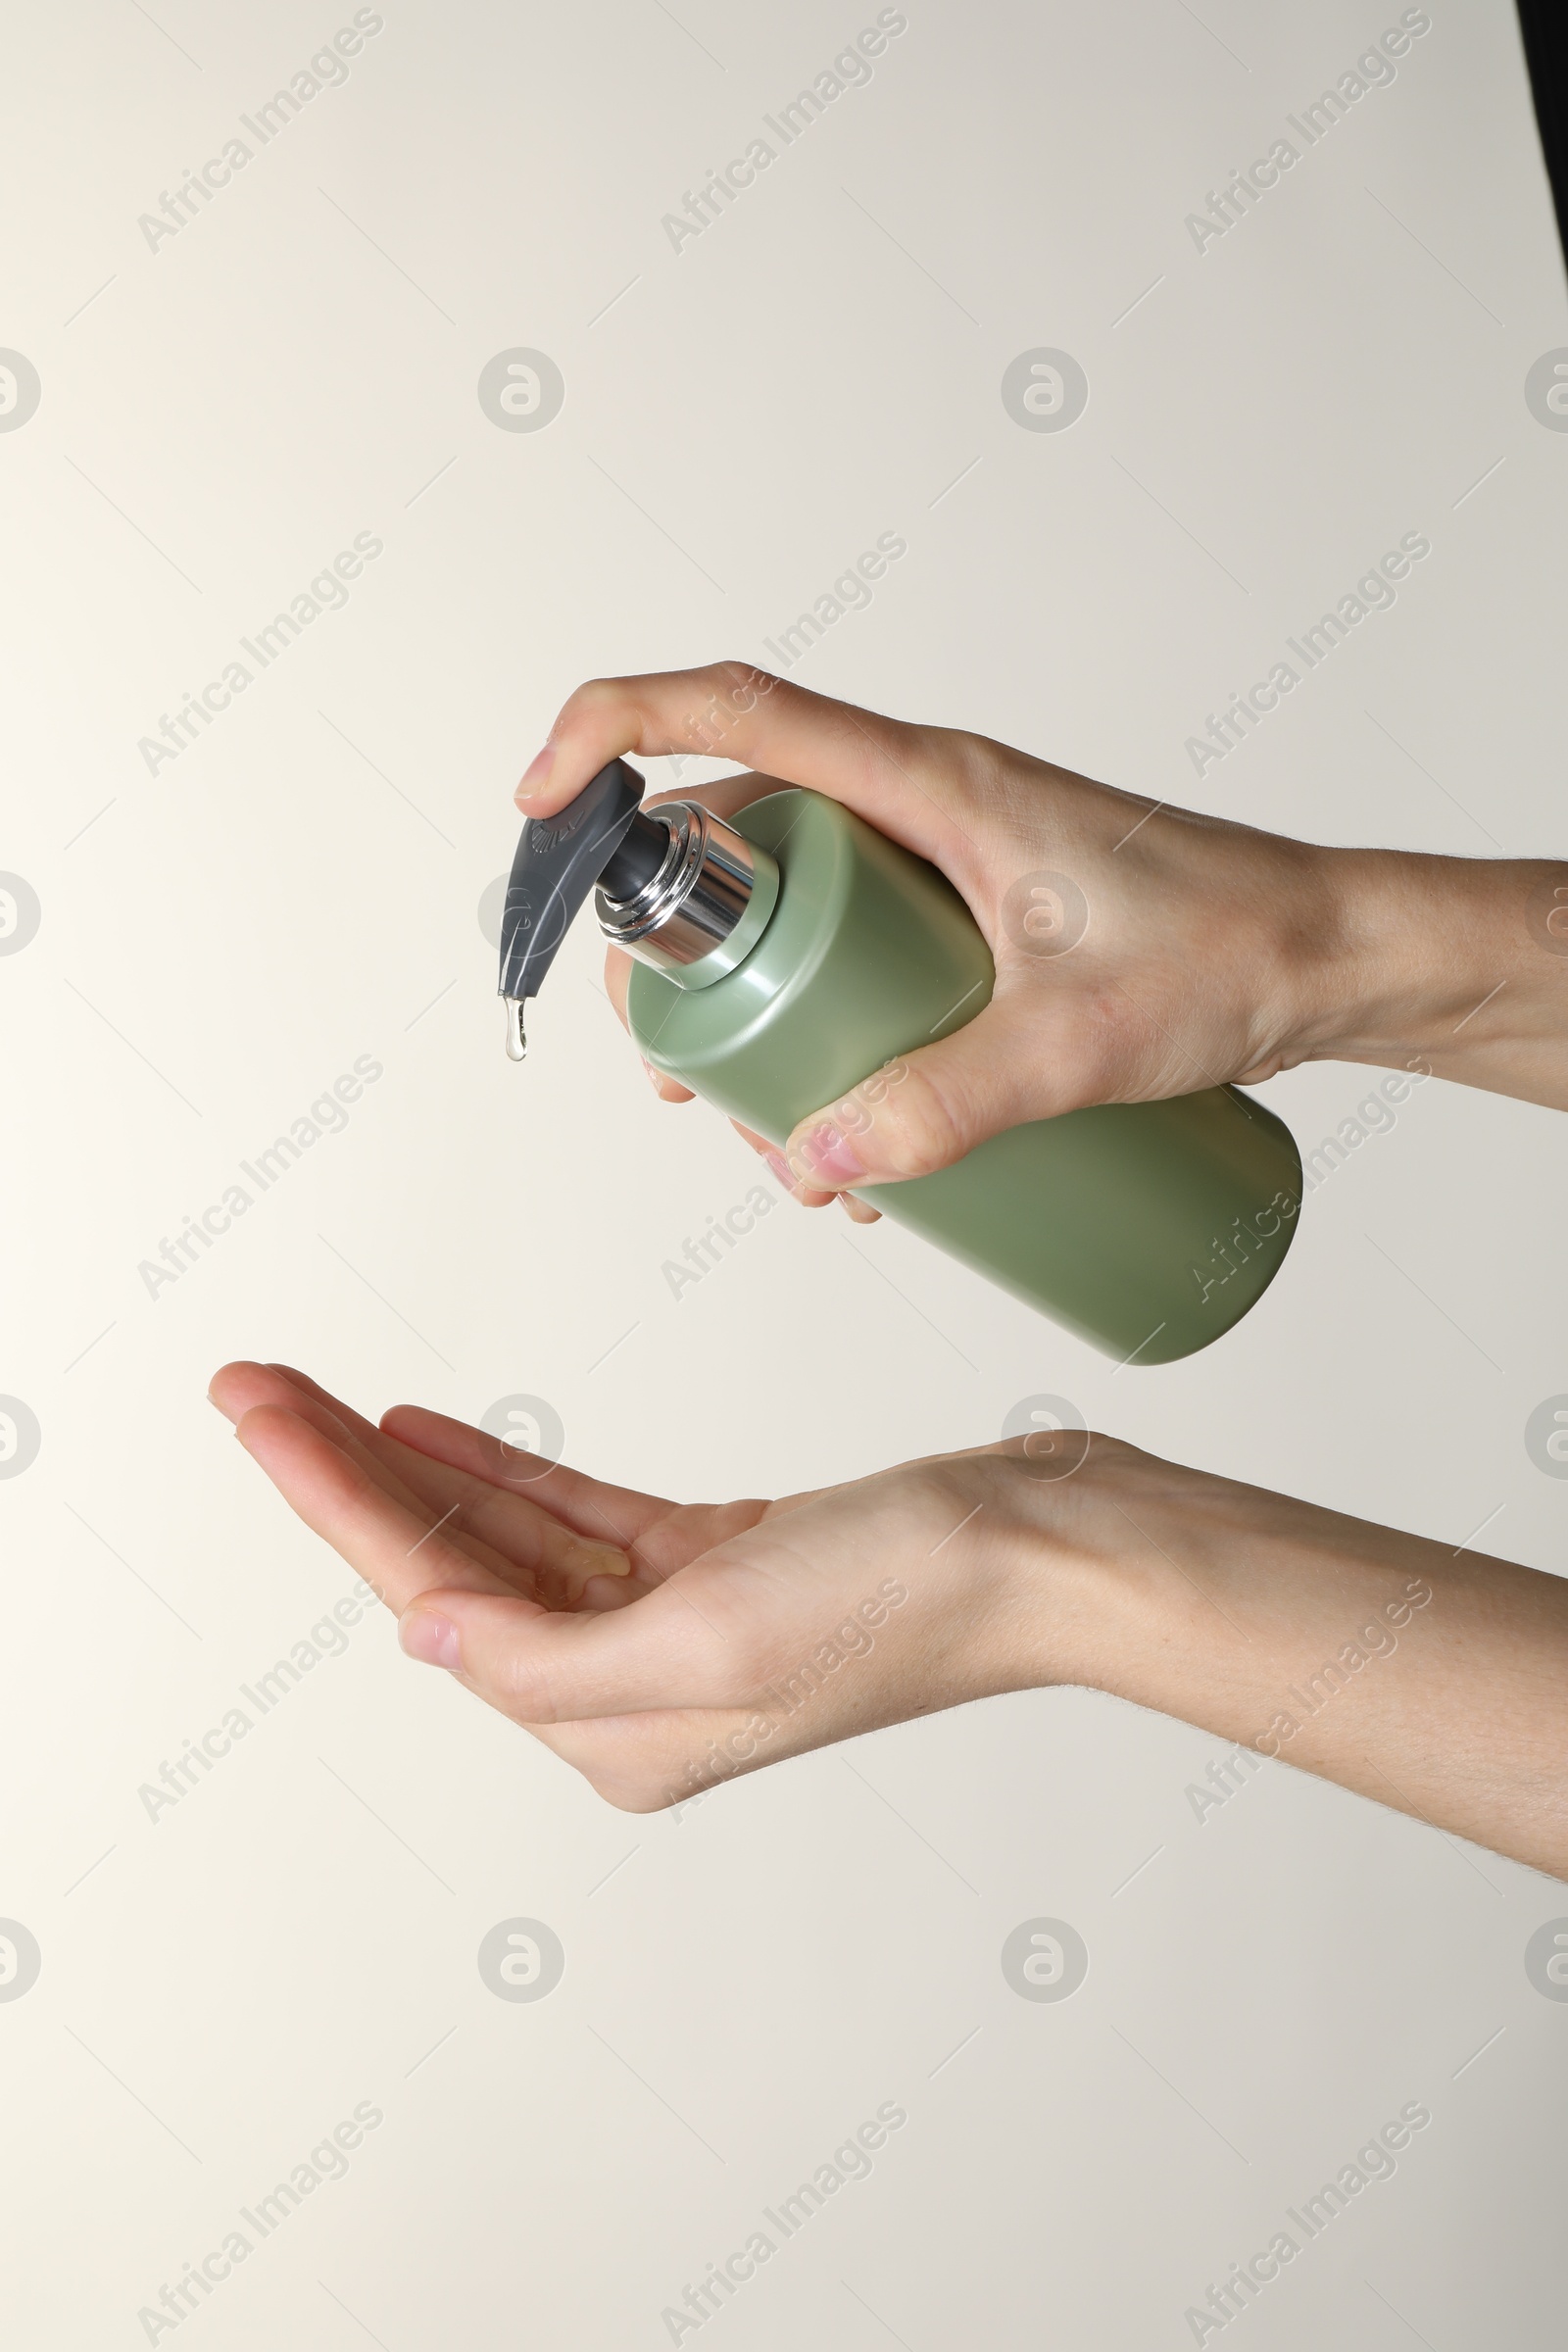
429, 1638
536, 773
653, 1079
831, 1157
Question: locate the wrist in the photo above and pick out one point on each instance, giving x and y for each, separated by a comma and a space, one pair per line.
1152, 1582
1422, 1677
1209, 1601
1093, 1542
1454, 966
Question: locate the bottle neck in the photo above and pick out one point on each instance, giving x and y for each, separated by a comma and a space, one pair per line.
699, 912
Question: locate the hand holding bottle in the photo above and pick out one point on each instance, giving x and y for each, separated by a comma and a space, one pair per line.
1142, 950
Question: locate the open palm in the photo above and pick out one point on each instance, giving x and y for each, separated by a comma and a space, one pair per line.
657, 1647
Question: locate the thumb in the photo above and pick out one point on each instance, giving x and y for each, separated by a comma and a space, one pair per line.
924, 1110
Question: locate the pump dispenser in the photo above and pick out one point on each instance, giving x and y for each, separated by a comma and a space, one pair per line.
788, 955
680, 889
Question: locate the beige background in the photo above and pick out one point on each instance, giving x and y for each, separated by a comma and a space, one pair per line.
218, 417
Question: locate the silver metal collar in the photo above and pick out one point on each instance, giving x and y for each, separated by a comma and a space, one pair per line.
707, 905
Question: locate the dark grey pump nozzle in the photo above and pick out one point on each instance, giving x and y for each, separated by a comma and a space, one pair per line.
680, 889
600, 833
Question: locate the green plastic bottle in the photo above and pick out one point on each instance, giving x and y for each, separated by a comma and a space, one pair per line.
791, 954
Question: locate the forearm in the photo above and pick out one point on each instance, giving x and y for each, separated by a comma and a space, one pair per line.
1430, 1678
1454, 965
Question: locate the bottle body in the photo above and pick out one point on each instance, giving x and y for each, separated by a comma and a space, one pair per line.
1149, 1229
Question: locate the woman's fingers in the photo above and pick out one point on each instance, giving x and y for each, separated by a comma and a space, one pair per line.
792, 1180
428, 1576
745, 1620
929, 1107
350, 1500
523, 1540
568, 1534
798, 1185
234, 1387
243, 1389
731, 711
588, 1506
400, 1550
666, 1652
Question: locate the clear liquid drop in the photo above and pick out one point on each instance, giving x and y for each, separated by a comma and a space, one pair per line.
516, 1042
